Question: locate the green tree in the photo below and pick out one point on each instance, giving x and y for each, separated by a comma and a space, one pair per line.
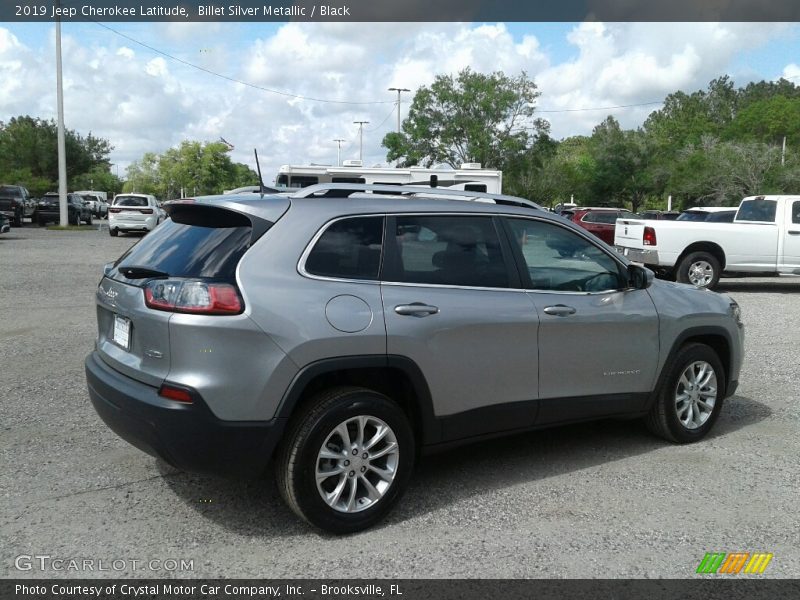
194, 167
768, 120
471, 117
30, 144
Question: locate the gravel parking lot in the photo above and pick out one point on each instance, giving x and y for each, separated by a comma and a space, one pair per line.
597, 500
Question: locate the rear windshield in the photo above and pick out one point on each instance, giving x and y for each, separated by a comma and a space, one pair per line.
130, 201
192, 244
10, 190
693, 215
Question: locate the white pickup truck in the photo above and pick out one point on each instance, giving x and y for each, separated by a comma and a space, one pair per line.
763, 238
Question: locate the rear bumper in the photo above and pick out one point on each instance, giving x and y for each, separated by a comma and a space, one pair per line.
647, 257
122, 224
187, 436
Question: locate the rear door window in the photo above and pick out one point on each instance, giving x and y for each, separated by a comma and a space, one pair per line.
348, 249
446, 250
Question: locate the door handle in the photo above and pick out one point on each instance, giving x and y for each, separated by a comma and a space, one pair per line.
416, 309
794, 232
559, 310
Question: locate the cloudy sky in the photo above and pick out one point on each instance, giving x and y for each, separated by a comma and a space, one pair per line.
120, 85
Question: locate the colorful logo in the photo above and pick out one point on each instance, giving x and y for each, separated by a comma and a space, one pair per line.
734, 563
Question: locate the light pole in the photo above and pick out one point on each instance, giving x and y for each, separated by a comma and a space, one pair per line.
62, 153
338, 151
360, 138
399, 91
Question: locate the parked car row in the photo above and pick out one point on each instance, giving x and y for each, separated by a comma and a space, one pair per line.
48, 209
601, 220
764, 238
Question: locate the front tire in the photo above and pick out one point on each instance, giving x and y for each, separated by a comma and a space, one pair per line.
691, 396
89, 219
113, 232
700, 269
346, 460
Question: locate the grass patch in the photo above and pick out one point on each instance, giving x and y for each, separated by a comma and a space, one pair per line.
72, 228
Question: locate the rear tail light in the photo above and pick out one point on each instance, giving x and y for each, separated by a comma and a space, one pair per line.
172, 392
146, 211
115, 210
195, 297
649, 236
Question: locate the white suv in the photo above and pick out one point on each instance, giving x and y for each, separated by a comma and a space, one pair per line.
134, 212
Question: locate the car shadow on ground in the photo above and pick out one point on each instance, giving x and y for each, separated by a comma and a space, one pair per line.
255, 508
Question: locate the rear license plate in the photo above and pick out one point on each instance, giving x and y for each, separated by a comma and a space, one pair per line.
121, 335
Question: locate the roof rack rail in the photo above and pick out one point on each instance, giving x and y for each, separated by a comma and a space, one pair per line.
345, 190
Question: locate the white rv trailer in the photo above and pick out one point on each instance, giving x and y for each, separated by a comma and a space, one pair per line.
469, 177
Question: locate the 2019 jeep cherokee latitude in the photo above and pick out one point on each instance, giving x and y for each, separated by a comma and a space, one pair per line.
346, 330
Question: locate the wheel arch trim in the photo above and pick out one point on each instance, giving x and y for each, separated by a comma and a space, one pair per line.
703, 331
422, 401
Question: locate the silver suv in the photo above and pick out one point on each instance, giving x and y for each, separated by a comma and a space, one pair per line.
346, 330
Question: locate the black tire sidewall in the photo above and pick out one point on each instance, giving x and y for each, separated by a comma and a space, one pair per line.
683, 269
687, 356
313, 507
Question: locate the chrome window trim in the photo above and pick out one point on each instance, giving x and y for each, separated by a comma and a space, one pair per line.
301, 265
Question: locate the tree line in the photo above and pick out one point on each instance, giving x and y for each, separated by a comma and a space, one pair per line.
709, 147
29, 157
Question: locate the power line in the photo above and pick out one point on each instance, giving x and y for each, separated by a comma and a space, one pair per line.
384, 120
233, 79
563, 110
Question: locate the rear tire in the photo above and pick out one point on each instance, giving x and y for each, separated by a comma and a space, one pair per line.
699, 269
368, 475
691, 396
17, 220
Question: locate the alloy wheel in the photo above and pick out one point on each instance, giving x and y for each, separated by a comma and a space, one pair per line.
357, 464
696, 394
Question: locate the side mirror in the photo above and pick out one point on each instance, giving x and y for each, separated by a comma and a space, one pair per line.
639, 277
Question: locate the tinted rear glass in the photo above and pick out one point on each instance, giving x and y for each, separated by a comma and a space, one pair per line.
192, 245
693, 215
130, 201
9, 190
350, 248
757, 210
722, 217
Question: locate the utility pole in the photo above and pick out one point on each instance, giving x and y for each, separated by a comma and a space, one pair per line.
399, 91
783, 152
62, 153
360, 138
338, 151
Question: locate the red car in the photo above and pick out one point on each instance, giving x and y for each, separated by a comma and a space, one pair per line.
599, 221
